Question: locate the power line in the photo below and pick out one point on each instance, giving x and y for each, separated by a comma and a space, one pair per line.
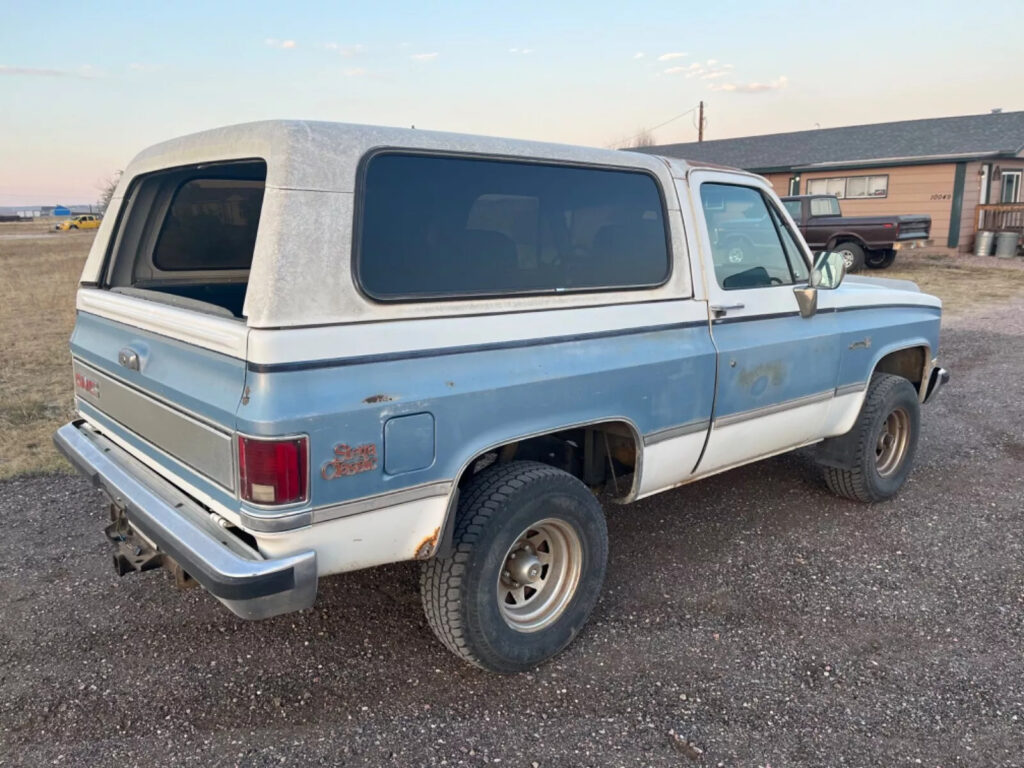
660, 125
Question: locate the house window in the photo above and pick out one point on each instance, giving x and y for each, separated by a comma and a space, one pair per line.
1010, 186
851, 187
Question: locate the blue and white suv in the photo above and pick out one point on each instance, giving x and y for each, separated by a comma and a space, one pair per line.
308, 348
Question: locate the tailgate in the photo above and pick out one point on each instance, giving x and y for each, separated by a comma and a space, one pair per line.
914, 227
165, 397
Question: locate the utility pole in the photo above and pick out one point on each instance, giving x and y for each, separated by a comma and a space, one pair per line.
700, 123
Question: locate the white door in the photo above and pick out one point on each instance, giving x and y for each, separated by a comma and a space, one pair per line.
776, 370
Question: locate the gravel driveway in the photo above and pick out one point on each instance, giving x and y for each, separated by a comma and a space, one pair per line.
753, 614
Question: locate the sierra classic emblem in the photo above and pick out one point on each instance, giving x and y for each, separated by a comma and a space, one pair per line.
350, 460
87, 385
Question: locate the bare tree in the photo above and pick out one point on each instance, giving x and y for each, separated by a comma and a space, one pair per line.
107, 190
643, 138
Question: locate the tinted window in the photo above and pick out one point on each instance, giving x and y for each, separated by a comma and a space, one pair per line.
447, 227
211, 224
746, 244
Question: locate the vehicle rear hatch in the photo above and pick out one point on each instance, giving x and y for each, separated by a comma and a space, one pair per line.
159, 342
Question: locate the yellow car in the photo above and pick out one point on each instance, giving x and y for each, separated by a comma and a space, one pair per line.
85, 221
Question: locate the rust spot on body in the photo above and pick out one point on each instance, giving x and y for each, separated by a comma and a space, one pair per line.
378, 399
428, 546
772, 372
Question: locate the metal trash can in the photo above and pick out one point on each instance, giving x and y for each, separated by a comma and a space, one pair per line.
983, 242
1006, 244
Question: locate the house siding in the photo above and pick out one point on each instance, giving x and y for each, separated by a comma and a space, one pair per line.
925, 189
972, 196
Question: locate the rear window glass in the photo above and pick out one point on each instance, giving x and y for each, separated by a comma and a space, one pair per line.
444, 227
824, 206
211, 224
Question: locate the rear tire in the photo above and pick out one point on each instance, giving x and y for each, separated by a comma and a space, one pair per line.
882, 443
880, 259
529, 558
852, 254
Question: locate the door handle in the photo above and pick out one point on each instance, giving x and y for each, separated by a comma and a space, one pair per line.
718, 310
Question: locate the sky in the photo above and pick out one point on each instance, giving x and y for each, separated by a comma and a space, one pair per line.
82, 89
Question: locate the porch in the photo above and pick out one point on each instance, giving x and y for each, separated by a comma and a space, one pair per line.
1001, 217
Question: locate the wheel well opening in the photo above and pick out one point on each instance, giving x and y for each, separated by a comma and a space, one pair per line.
908, 363
602, 455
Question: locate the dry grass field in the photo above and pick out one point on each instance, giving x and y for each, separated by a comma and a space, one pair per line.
964, 283
40, 271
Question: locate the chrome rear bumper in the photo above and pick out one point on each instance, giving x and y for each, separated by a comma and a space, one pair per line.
231, 570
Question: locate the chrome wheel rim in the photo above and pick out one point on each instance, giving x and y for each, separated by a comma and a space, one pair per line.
893, 439
735, 255
847, 258
539, 575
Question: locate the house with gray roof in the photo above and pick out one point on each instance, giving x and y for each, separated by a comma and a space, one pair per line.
945, 167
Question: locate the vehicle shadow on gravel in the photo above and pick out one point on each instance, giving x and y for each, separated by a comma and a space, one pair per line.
754, 613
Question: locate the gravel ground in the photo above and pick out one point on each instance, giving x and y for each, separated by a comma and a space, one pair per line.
753, 614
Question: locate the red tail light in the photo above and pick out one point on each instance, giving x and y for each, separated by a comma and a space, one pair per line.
273, 471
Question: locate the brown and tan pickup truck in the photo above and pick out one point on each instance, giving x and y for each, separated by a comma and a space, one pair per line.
863, 240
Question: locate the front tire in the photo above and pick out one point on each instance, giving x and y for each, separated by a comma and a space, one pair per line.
882, 443
852, 254
529, 558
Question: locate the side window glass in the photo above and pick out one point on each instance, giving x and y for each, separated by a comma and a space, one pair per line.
745, 245
797, 263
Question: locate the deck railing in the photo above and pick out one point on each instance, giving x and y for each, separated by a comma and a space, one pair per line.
1001, 217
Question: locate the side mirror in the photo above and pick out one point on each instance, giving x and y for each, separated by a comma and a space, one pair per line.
828, 272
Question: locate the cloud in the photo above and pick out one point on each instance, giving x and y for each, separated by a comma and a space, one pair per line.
708, 71
354, 72
424, 56
522, 51
670, 56
347, 51
86, 72
755, 87
285, 45
34, 71
638, 55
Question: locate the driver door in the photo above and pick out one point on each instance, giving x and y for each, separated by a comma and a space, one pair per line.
777, 370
